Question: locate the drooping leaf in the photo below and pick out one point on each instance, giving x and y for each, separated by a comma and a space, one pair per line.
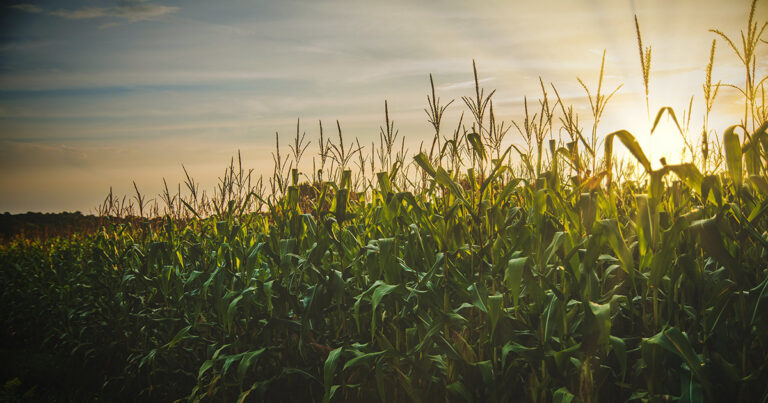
630, 142
677, 343
423, 161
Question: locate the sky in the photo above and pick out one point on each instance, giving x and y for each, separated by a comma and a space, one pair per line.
97, 94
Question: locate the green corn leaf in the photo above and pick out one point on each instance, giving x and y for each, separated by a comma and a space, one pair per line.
752, 150
180, 335
630, 142
553, 248
711, 189
231, 311
477, 145
671, 113
733, 155
204, 368
329, 371
495, 308
645, 233
363, 360
712, 243
762, 292
599, 323
383, 290
526, 160
549, 318
689, 174
228, 361
385, 187
612, 234
247, 361
760, 183
562, 395
478, 295
676, 342
423, 161
562, 357
620, 350
442, 177
513, 276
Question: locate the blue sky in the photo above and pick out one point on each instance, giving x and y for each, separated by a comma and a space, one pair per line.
96, 94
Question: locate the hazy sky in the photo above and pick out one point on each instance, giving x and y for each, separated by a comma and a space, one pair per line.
96, 94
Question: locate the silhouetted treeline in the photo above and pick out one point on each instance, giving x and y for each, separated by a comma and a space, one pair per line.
45, 225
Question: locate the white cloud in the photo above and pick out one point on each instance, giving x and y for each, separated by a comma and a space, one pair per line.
130, 10
83, 13
463, 84
137, 10
27, 7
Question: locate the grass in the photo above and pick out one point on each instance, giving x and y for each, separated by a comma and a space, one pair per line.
459, 273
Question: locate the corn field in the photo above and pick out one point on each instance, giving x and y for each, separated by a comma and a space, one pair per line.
554, 269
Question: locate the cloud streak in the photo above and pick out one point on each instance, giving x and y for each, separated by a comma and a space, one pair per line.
126, 10
29, 8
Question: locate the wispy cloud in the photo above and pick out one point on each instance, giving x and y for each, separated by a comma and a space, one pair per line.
27, 7
464, 84
133, 10
20, 154
81, 14
125, 10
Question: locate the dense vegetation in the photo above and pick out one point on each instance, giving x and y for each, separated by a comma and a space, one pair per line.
543, 271
46, 225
